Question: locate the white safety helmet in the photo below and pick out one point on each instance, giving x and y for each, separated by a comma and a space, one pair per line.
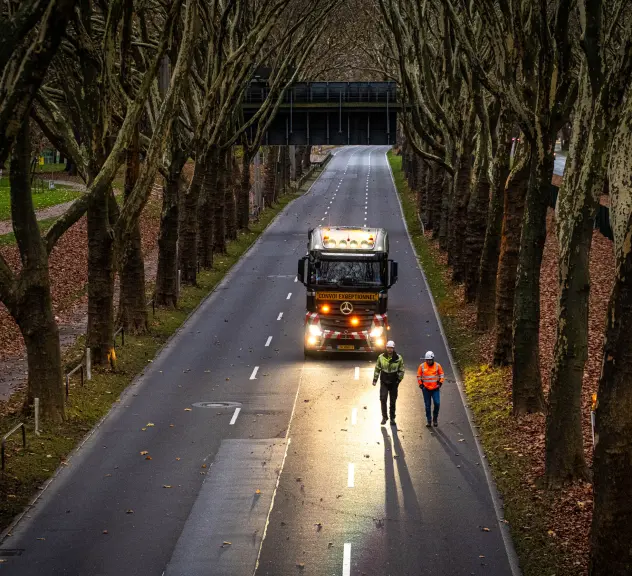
430, 355
390, 344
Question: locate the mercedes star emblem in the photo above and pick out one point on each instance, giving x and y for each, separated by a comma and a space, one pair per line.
346, 308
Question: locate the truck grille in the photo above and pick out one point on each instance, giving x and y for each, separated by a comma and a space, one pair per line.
338, 321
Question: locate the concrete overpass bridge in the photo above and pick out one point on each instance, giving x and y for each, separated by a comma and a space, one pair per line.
338, 113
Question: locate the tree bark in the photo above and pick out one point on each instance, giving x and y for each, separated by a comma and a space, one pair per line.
100, 281
514, 197
188, 249
219, 206
233, 186
461, 197
448, 186
299, 153
611, 531
269, 179
206, 210
243, 198
527, 393
435, 189
486, 293
307, 157
132, 300
28, 297
166, 293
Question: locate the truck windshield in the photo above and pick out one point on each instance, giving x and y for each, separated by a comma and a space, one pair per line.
347, 273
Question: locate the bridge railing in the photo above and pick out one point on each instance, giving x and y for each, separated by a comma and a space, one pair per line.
327, 93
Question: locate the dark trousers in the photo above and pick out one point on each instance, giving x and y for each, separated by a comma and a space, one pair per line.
387, 390
435, 397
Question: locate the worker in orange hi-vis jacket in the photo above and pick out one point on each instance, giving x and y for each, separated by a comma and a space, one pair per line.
430, 379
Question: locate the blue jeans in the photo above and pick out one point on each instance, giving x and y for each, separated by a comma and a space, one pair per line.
435, 396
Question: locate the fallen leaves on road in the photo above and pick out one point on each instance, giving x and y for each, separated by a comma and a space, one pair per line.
187, 409
105, 532
144, 453
226, 543
257, 491
130, 511
166, 485
149, 424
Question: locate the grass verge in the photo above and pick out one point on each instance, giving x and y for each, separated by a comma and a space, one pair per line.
41, 200
489, 401
26, 470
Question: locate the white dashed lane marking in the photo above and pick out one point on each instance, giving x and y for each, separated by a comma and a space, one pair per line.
234, 418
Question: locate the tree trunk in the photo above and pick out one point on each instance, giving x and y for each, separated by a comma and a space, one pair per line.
243, 197
219, 205
448, 186
513, 210
435, 189
476, 226
41, 338
422, 189
188, 253
611, 531
596, 117
28, 298
486, 293
233, 186
299, 152
132, 299
100, 281
269, 179
307, 157
461, 197
527, 393
206, 210
166, 293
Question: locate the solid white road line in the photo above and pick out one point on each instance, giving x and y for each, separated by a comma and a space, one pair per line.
289, 296
351, 476
354, 416
346, 560
280, 316
268, 341
253, 376
356, 374
234, 418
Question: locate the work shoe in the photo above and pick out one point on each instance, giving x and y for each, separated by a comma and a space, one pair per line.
384, 420
429, 424
435, 423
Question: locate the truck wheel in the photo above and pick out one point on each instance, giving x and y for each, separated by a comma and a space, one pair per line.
308, 353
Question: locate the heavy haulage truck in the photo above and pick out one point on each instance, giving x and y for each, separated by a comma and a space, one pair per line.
347, 274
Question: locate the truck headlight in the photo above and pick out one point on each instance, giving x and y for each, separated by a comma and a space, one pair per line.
376, 332
314, 330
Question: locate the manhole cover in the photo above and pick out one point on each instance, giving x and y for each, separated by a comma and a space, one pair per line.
217, 404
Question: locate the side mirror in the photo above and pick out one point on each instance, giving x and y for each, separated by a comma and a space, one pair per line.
392, 272
302, 271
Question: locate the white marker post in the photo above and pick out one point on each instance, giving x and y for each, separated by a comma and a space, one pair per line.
88, 364
37, 430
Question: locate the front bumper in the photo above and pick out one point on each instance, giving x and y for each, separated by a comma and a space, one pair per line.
350, 342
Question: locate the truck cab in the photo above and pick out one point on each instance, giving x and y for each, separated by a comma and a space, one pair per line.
347, 274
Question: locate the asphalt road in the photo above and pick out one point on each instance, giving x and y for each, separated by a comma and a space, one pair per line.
296, 477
